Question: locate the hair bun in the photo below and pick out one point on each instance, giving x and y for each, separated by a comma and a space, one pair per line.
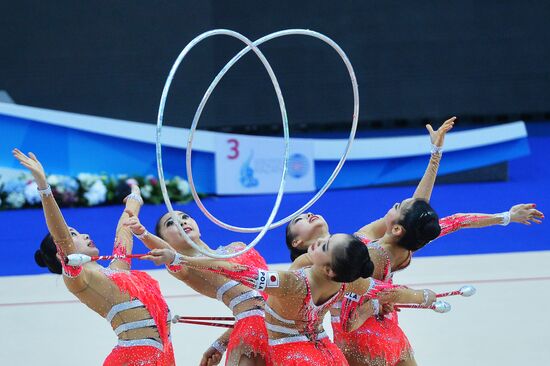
39, 258
429, 230
367, 269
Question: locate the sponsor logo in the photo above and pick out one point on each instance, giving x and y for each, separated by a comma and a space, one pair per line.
247, 178
298, 165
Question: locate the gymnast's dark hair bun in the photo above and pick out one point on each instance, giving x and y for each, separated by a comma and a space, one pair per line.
39, 259
429, 228
352, 261
368, 266
46, 255
421, 224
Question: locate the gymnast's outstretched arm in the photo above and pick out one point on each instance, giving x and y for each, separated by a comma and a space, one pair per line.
124, 240
150, 240
524, 213
54, 219
76, 278
153, 242
365, 296
376, 229
426, 185
273, 283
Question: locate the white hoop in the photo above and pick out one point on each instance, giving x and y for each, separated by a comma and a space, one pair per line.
211, 88
163, 98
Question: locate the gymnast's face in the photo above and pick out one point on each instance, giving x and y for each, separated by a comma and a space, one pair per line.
170, 232
322, 251
397, 212
307, 228
83, 244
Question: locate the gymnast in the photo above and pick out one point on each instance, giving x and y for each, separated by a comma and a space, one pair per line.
247, 343
407, 227
298, 300
131, 301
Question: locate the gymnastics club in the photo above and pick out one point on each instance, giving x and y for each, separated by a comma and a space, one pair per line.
178, 319
439, 306
78, 259
465, 291
218, 318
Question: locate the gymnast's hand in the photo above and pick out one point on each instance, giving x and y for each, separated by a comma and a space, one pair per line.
133, 223
211, 357
405, 295
525, 214
160, 256
31, 162
360, 316
387, 308
438, 137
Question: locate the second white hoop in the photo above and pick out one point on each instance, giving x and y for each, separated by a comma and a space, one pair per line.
211, 88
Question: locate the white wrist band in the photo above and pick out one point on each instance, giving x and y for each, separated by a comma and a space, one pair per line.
219, 346
426, 298
135, 197
45, 192
178, 260
376, 306
142, 235
505, 216
436, 150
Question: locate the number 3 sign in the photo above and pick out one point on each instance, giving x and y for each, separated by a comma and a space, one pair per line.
233, 148
254, 164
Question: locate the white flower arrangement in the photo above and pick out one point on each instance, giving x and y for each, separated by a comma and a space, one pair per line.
31, 193
97, 193
182, 185
53, 179
62, 183
88, 190
87, 180
15, 199
146, 191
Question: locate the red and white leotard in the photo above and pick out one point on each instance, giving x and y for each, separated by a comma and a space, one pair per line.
303, 341
249, 335
249, 330
379, 340
144, 292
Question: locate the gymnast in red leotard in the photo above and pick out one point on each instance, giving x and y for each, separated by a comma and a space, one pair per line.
246, 343
131, 301
379, 340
